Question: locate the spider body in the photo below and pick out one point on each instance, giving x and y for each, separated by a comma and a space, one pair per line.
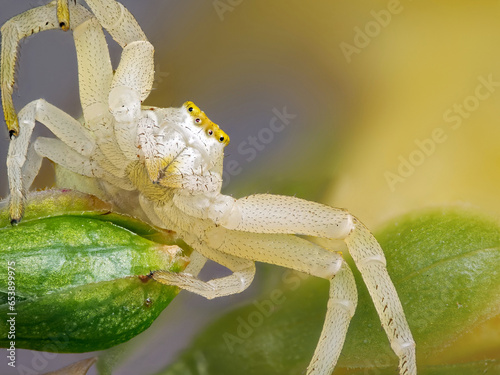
164, 165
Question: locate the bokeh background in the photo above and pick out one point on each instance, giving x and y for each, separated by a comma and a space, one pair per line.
363, 83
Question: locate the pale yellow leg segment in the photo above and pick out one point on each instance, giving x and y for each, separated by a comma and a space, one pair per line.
16, 157
340, 309
289, 215
190, 184
134, 77
146, 130
117, 20
107, 165
95, 72
196, 263
23, 25
148, 207
370, 260
31, 167
62, 125
63, 14
296, 253
86, 185
136, 69
61, 154
95, 75
278, 214
65, 127
109, 147
238, 281
281, 249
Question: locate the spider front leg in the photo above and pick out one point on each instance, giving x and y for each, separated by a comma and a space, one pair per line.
133, 79
25, 24
279, 214
23, 164
127, 87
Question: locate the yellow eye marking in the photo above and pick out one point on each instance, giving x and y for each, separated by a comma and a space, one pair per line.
201, 119
221, 136
192, 108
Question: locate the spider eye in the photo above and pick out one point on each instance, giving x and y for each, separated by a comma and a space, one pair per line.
190, 109
198, 120
221, 139
210, 132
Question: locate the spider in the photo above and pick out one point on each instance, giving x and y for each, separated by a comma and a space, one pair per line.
164, 165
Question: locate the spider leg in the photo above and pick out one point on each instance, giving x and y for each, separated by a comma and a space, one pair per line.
149, 209
63, 14
65, 156
95, 72
190, 184
68, 158
243, 269
117, 20
266, 213
130, 84
25, 24
289, 215
241, 278
62, 125
95, 75
196, 263
132, 81
291, 252
134, 76
299, 254
87, 185
31, 166
341, 305
146, 140
369, 259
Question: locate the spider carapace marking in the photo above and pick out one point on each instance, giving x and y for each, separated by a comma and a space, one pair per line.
164, 165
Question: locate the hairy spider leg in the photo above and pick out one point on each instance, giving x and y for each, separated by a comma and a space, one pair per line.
69, 130
95, 75
25, 24
284, 250
265, 213
133, 79
63, 14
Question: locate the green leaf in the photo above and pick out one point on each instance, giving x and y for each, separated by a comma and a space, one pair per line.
444, 265
79, 275
50, 203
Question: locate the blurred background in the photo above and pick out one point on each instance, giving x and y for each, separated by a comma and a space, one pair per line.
381, 107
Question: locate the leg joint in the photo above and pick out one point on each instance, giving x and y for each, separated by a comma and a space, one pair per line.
347, 305
343, 228
373, 259
402, 347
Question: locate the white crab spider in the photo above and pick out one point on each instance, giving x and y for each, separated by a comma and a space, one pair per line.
165, 166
